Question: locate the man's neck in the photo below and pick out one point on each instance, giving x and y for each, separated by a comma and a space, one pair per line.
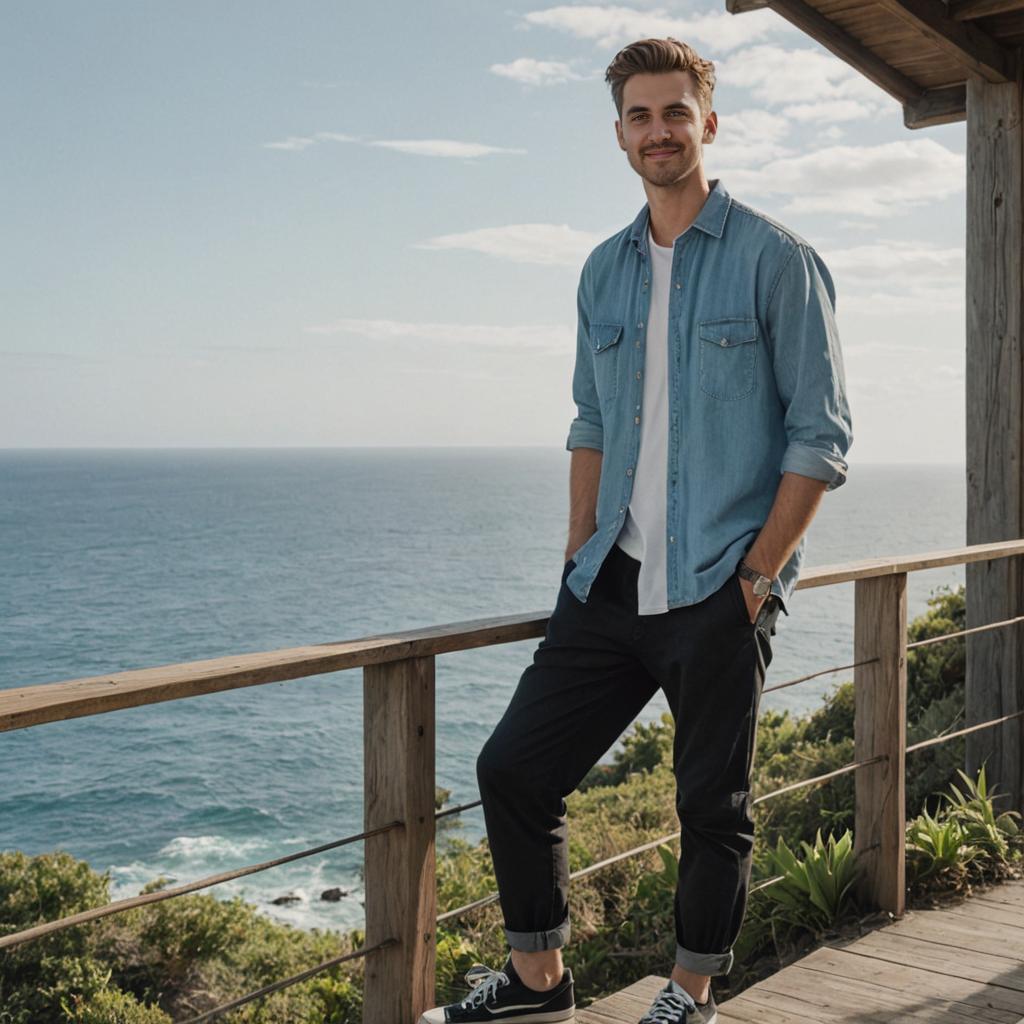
674, 209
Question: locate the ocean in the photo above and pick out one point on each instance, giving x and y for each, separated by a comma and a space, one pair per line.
119, 559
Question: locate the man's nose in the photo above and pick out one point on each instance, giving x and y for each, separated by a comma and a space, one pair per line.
659, 132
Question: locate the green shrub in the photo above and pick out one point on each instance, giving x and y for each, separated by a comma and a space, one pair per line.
966, 840
937, 848
814, 892
112, 1007
974, 812
37, 975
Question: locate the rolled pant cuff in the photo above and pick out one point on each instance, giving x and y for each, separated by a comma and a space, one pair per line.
534, 942
710, 964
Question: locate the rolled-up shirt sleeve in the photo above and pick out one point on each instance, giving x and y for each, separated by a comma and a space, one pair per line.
808, 365
586, 430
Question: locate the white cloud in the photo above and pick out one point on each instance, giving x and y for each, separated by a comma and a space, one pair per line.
537, 72
549, 337
293, 142
335, 137
547, 244
615, 26
898, 278
829, 110
867, 181
800, 79
441, 147
747, 137
910, 299
419, 147
880, 260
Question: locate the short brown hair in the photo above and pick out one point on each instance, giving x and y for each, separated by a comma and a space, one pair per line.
654, 56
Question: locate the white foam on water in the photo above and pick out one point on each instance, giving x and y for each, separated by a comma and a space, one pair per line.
189, 858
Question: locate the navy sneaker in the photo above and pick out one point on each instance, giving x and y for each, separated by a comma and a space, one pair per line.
674, 1005
502, 996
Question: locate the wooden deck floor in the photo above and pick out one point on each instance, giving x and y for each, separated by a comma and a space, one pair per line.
958, 964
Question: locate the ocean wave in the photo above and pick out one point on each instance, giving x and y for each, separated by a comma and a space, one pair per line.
188, 858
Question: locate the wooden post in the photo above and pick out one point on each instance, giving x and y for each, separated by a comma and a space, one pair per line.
995, 427
880, 727
400, 871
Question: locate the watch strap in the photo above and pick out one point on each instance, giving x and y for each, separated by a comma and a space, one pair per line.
755, 577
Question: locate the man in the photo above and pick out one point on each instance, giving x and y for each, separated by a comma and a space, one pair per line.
712, 416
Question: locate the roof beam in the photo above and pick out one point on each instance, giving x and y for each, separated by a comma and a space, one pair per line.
937, 106
976, 50
962, 10
841, 43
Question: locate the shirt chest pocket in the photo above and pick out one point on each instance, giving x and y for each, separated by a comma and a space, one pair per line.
728, 356
604, 342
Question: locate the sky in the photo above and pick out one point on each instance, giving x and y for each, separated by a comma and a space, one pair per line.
255, 224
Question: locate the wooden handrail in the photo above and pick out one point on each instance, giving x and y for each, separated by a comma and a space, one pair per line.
868, 568
22, 707
25, 706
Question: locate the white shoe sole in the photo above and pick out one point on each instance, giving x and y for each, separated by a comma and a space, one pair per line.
534, 1018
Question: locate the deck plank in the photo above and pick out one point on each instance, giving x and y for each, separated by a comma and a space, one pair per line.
959, 964
939, 958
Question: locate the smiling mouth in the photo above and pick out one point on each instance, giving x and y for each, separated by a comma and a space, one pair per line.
661, 152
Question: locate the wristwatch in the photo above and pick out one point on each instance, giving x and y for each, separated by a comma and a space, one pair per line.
762, 584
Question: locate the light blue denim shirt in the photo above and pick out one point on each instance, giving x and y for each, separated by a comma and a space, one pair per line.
756, 387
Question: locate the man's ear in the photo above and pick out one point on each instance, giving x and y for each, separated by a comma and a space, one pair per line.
710, 128
618, 135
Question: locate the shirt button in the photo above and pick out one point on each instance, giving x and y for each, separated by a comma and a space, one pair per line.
636, 419
637, 342
637, 374
629, 471
724, 342
671, 540
679, 285
640, 324
622, 511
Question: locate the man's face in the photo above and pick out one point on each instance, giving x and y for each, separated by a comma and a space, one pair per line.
662, 130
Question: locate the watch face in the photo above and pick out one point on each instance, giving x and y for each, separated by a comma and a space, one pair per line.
762, 588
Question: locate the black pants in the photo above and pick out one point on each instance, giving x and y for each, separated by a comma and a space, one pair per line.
597, 667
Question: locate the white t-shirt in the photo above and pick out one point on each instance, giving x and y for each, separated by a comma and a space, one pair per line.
643, 531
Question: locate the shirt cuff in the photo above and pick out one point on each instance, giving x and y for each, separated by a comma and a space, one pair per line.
583, 434
817, 463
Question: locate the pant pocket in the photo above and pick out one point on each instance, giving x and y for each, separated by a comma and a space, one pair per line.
738, 600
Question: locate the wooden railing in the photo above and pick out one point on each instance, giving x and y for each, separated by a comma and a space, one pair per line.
399, 757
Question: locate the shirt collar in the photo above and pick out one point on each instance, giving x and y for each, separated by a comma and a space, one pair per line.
711, 218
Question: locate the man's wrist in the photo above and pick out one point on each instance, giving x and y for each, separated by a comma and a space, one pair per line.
760, 583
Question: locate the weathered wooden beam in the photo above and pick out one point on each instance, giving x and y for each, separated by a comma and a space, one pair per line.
25, 706
399, 864
880, 728
937, 106
964, 10
994, 393
21, 707
967, 44
841, 43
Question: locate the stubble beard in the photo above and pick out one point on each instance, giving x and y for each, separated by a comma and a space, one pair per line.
676, 169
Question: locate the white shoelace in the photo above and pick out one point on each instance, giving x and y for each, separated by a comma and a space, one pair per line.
667, 1009
485, 983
